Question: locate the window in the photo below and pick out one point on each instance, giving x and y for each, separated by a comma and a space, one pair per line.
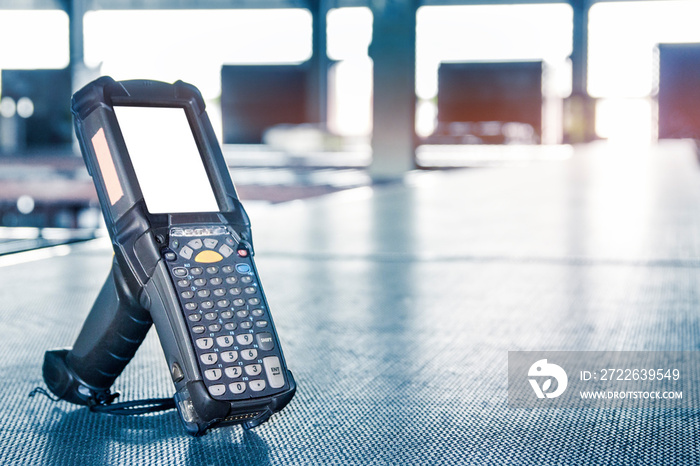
349, 34
36, 39
488, 33
621, 73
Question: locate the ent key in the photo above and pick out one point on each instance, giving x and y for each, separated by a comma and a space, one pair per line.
273, 371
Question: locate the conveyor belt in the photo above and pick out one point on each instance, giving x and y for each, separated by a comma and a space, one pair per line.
397, 307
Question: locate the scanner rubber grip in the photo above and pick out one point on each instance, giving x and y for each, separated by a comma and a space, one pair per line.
113, 331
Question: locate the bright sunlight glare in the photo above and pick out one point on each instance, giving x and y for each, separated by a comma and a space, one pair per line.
192, 45
622, 65
33, 39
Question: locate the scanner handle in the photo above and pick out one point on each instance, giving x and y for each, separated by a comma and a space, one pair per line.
113, 331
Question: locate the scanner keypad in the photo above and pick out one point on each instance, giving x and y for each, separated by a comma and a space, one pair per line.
227, 317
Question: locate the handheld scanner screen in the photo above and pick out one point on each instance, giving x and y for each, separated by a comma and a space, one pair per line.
166, 160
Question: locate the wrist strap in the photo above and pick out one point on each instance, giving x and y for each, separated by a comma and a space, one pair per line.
136, 407
125, 408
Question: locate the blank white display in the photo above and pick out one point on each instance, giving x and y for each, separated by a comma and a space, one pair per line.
166, 160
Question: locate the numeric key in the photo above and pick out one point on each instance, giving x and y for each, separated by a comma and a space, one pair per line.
249, 354
244, 339
233, 372
205, 343
257, 385
209, 358
253, 369
237, 387
224, 341
229, 356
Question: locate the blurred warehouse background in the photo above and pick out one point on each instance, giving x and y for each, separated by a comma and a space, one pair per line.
311, 97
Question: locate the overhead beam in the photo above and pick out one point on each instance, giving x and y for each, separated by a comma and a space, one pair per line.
193, 4
156, 4
508, 2
242, 4
31, 5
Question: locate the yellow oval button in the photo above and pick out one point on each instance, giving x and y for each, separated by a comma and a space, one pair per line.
208, 257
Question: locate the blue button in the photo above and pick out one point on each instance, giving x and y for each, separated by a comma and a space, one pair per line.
243, 268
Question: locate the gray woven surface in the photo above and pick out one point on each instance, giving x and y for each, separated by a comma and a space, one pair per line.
396, 309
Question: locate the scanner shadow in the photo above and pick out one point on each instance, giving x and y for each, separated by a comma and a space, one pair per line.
82, 437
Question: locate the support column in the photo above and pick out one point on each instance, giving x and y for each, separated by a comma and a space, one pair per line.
317, 87
393, 52
580, 107
76, 10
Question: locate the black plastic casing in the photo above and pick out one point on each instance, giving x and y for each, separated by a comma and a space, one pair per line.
139, 290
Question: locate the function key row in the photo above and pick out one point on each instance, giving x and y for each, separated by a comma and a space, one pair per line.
213, 315
213, 328
215, 281
230, 326
216, 327
191, 306
182, 271
205, 293
240, 268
